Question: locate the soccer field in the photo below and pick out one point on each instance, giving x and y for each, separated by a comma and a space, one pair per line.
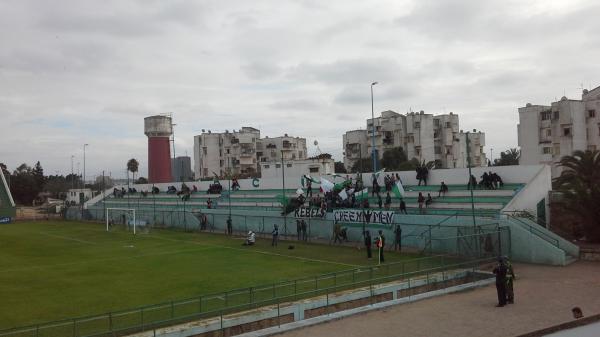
54, 270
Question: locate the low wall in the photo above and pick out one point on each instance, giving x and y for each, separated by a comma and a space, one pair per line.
337, 302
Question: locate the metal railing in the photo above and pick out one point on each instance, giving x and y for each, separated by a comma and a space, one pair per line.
535, 231
148, 318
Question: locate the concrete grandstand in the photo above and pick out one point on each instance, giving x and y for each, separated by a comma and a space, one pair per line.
451, 225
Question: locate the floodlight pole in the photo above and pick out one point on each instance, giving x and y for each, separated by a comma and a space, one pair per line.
373, 151
283, 191
229, 167
472, 187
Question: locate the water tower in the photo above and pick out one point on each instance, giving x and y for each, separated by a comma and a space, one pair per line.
159, 129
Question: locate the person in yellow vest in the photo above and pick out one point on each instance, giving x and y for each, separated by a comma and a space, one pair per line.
380, 246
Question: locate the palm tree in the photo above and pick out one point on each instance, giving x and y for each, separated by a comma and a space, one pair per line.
580, 184
132, 166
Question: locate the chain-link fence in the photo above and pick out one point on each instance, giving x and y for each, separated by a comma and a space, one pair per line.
146, 318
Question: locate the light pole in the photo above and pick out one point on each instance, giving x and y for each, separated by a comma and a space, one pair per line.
84, 146
373, 153
491, 156
72, 177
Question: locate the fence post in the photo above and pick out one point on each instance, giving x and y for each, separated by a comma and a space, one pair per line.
295, 288
172, 310
327, 302
274, 290
110, 323
226, 299
200, 304
278, 314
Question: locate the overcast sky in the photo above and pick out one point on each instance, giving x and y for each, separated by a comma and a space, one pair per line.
75, 72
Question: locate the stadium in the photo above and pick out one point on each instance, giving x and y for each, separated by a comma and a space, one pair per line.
150, 261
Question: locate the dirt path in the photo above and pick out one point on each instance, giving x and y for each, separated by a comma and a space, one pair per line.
544, 297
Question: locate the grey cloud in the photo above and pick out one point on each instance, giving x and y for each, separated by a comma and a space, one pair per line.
295, 104
344, 72
261, 70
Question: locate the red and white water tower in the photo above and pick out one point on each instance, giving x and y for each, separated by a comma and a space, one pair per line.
159, 129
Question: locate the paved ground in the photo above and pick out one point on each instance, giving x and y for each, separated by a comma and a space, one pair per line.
544, 297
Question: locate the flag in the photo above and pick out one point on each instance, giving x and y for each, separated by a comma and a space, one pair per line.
360, 195
299, 191
378, 173
350, 191
282, 199
398, 189
311, 179
326, 185
340, 186
343, 195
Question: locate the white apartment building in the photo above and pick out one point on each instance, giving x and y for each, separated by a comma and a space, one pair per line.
297, 168
425, 137
242, 151
549, 132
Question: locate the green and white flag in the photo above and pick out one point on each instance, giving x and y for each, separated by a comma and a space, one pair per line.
398, 189
326, 185
378, 173
343, 195
313, 180
360, 195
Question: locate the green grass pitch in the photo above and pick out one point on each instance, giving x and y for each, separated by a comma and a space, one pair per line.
52, 270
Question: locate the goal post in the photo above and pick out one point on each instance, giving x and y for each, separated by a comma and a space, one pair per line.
128, 210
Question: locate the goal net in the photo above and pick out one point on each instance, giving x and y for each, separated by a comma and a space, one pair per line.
124, 217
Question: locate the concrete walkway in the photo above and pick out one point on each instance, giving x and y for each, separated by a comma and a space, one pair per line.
544, 296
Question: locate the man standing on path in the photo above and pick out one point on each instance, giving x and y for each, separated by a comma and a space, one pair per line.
275, 234
500, 272
398, 238
368, 244
380, 246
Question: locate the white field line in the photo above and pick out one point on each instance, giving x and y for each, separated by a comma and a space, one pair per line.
68, 238
104, 259
251, 250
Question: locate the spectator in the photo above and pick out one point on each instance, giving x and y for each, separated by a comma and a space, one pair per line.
429, 200
443, 189
304, 233
299, 228
388, 201
403, 206
308, 187
195, 189
275, 234
337, 233
365, 203
472, 182
209, 203
398, 238
421, 201
235, 185
203, 221
425, 173
368, 244
229, 226
379, 201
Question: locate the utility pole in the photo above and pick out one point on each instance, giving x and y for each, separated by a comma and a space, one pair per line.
72, 176
283, 191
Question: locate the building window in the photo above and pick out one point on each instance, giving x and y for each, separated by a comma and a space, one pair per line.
277, 165
448, 125
417, 125
547, 150
227, 151
313, 170
567, 131
591, 113
556, 149
220, 153
204, 150
220, 162
418, 152
436, 134
436, 123
437, 150
266, 166
548, 133
556, 114
289, 165
300, 154
205, 171
546, 115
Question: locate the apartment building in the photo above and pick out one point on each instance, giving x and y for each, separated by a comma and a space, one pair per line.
426, 137
242, 151
549, 132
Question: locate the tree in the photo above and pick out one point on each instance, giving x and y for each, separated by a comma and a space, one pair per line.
580, 184
141, 180
24, 185
339, 167
508, 157
362, 165
132, 166
393, 158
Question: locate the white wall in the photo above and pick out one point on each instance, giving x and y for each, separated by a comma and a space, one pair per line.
536, 190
